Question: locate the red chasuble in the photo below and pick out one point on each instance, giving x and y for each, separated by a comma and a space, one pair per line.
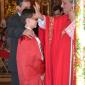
57, 50
29, 62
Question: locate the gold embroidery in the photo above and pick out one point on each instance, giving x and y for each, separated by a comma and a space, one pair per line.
51, 29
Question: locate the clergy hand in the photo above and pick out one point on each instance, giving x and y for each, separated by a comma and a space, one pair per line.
37, 10
37, 7
63, 32
43, 77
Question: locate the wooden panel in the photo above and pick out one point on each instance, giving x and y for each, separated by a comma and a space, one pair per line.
5, 79
2, 8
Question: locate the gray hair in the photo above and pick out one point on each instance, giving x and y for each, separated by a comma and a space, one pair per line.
73, 1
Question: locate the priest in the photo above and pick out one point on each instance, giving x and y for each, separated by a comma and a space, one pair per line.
57, 36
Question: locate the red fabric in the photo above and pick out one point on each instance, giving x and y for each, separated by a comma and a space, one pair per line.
48, 59
42, 37
1, 43
57, 54
61, 52
29, 63
4, 54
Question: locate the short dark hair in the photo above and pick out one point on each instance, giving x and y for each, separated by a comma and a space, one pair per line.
57, 7
19, 2
27, 13
72, 1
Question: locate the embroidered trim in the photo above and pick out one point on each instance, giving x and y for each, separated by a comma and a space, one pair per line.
51, 29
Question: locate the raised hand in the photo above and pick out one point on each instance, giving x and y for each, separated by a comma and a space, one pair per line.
37, 10
37, 7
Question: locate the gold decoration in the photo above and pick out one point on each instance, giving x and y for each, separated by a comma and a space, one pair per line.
11, 8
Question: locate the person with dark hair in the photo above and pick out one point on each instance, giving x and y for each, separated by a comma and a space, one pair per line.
30, 59
15, 28
57, 10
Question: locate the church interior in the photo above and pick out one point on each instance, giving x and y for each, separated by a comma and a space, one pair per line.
8, 8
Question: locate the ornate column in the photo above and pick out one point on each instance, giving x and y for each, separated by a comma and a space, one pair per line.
11, 7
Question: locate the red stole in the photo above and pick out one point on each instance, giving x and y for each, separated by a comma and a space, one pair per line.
46, 47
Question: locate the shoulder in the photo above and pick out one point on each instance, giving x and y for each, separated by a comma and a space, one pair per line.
12, 17
27, 42
25, 38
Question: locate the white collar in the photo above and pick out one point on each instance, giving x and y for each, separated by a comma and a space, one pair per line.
19, 14
28, 27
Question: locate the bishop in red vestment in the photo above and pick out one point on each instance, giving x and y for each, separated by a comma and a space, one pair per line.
57, 47
57, 51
